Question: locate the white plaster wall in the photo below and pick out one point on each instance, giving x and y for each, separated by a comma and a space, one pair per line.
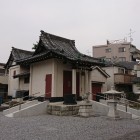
97, 76
13, 84
59, 68
23, 86
110, 71
56, 67
104, 87
38, 75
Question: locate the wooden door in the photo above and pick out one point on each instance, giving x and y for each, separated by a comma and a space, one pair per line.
67, 82
48, 85
96, 88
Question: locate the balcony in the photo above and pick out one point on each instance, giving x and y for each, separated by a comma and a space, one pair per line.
120, 78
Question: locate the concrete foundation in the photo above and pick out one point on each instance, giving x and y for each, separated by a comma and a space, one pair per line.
85, 109
62, 110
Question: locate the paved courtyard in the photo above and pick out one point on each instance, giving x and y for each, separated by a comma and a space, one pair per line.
49, 127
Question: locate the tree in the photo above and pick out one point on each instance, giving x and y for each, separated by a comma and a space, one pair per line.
35, 46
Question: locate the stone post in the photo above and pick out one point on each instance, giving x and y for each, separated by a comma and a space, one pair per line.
73, 81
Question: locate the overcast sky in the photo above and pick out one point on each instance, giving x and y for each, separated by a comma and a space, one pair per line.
88, 22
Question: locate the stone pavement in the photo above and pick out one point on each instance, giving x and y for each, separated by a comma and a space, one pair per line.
50, 127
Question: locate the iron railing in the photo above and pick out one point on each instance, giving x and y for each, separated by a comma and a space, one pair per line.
122, 101
33, 96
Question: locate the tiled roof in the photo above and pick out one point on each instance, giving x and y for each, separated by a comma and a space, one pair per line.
125, 64
20, 54
62, 47
128, 65
17, 54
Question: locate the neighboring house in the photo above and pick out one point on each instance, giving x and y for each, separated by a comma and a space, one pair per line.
121, 75
18, 79
98, 81
57, 69
136, 80
116, 51
3, 81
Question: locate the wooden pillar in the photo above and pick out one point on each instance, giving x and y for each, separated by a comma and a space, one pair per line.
73, 81
90, 84
82, 83
86, 82
31, 79
54, 79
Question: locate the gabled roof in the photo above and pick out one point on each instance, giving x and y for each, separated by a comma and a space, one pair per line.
101, 70
20, 54
52, 46
17, 54
124, 64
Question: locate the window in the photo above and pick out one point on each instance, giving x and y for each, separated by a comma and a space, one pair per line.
108, 50
14, 72
122, 59
122, 49
26, 80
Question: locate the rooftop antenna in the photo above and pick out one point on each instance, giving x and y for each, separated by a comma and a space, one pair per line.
130, 35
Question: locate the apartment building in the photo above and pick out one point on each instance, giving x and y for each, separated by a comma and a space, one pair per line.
116, 51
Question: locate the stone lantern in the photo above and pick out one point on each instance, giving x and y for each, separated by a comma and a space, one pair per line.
112, 102
85, 107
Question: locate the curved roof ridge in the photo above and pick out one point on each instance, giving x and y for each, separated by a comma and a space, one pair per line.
13, 48
55, 36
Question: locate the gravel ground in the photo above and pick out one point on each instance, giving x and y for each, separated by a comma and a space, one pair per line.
49, 127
